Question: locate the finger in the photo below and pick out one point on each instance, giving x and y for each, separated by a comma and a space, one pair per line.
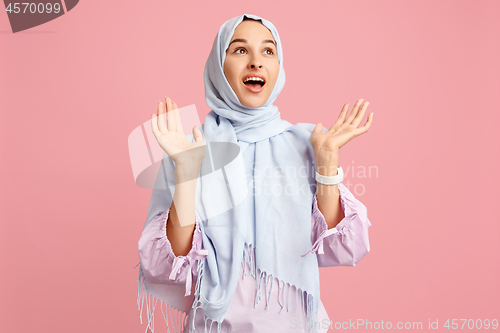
171, 122
154, 124
354, 111
177, 118
317, 128
369, 121
366, 126
197, 135
360, 115
161, 118
341, 117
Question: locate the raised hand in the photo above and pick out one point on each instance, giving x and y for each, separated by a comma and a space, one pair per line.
172, 139
326, 144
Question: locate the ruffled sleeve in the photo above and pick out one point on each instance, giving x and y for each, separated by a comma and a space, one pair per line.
159, 263
347, 243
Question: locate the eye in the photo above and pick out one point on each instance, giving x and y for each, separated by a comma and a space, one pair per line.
239, 48
270, 50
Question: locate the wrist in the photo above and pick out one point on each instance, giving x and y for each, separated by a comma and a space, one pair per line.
328, 170
186, 172
330, 180
327, 163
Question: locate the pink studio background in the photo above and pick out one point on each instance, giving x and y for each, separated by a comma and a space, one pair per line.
73, 89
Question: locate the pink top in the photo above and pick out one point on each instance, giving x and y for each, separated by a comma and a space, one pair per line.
344, 245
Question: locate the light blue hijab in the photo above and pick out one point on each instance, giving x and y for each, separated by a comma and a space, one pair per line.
268, 224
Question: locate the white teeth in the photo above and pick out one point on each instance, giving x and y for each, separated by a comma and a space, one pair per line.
253, 79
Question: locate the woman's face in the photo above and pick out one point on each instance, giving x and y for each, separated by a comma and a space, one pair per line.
252, 54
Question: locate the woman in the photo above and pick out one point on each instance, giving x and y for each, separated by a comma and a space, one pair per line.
278, 223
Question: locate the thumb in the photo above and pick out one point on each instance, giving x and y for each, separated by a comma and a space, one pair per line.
318, 128
197, 134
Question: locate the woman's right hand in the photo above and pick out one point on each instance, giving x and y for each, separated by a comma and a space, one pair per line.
172, 139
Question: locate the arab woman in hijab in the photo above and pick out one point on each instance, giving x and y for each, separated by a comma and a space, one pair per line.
277, 207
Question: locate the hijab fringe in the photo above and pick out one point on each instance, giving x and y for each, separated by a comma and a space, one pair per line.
177, 318
306, 299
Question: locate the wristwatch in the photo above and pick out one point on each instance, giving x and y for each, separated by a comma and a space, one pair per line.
325, 180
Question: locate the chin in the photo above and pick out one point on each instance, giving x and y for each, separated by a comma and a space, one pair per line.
254, 102
252, 105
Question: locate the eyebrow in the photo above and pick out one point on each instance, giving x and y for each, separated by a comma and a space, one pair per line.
245, 41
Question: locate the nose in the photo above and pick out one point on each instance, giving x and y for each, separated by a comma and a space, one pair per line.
255, 63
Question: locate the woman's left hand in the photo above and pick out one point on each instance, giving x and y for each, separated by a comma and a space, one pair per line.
327, 144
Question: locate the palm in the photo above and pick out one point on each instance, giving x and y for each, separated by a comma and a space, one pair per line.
172, 139
343, 131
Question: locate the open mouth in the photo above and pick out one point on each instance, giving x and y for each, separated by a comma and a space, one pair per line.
254, 83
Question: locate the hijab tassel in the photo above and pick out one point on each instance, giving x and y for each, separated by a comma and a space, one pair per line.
177, 317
